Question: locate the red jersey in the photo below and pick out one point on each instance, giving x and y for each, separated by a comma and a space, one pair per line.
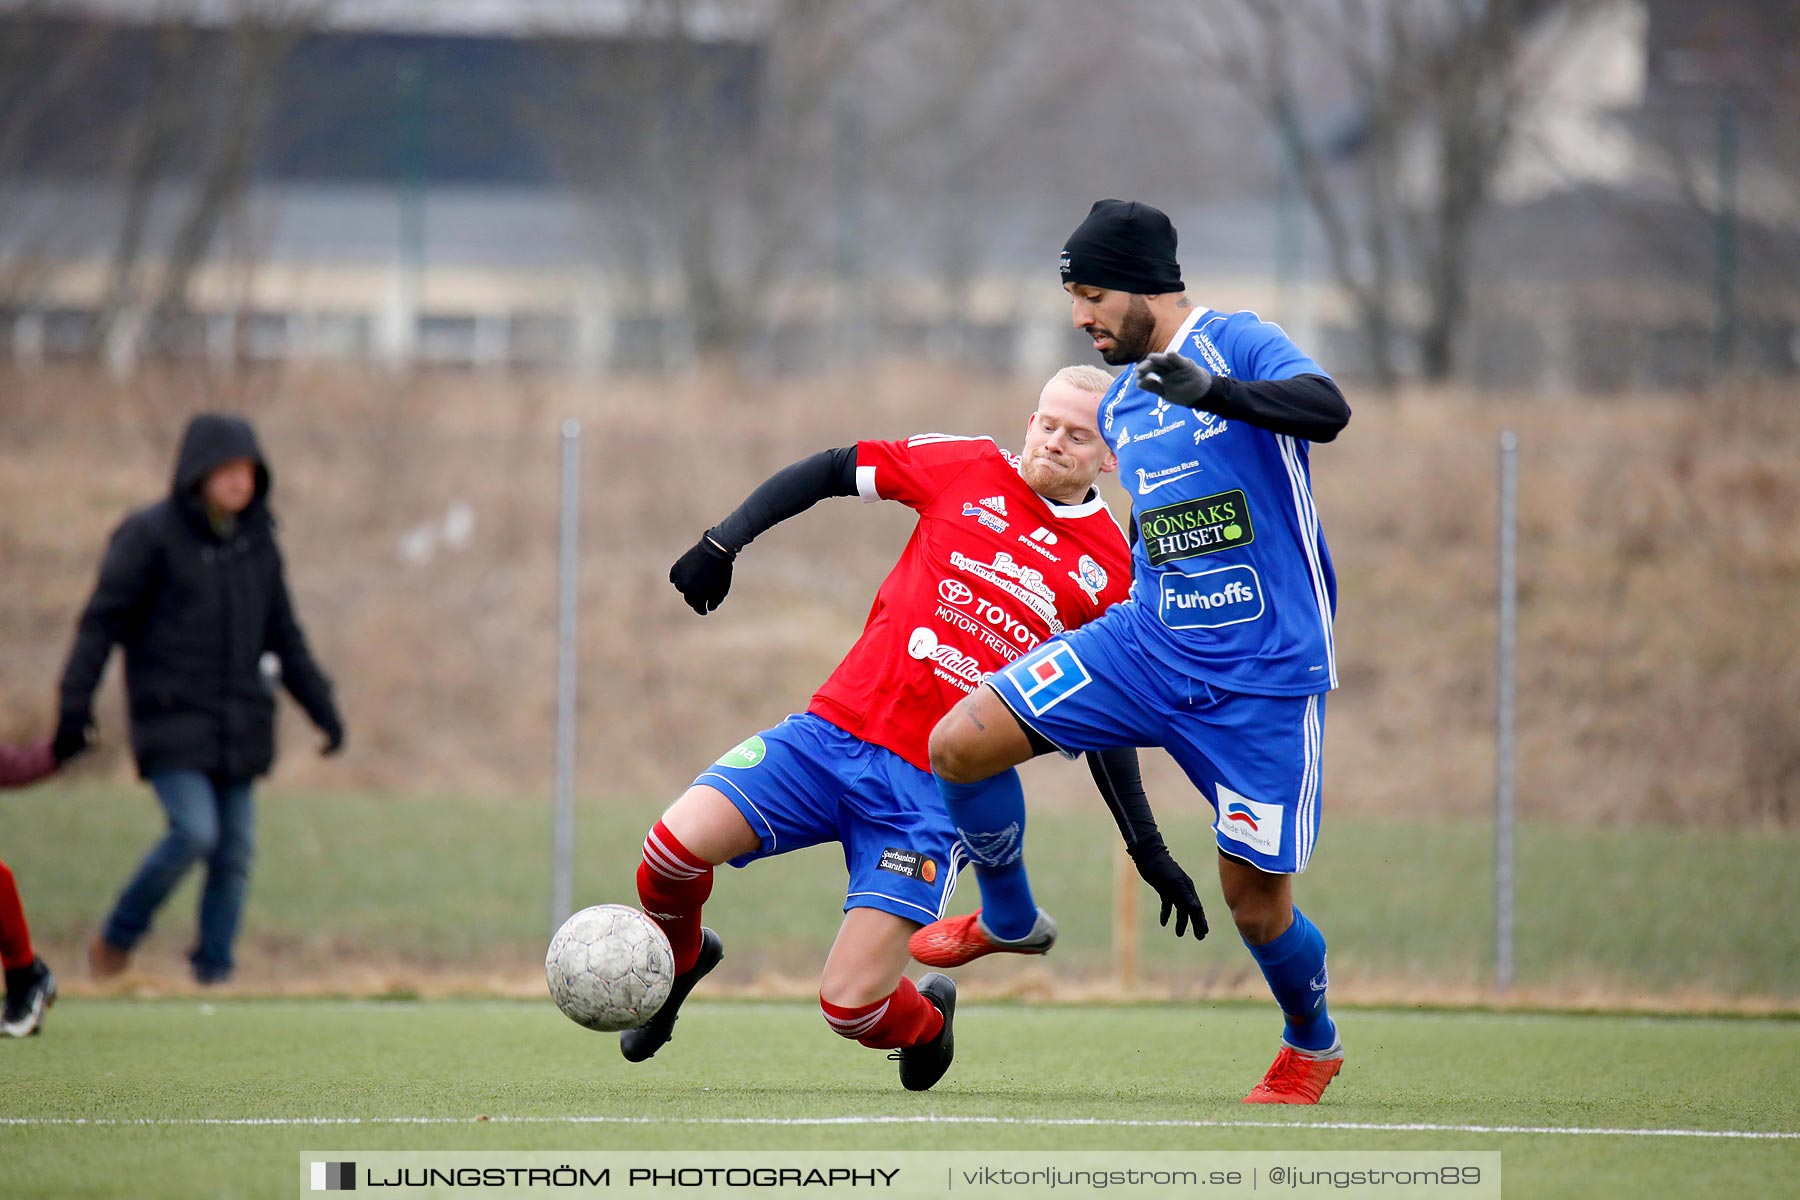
992, 570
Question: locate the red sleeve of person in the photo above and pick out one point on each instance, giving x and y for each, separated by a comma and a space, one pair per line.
22, 765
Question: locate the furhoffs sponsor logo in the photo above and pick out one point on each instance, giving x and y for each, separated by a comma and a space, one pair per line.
1227, 596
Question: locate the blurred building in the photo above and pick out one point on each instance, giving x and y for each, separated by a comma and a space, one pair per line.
615, 185
1651, 235
406, 195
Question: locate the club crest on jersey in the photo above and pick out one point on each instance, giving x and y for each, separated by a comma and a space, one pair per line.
1090, 576
984, 516
1048, 678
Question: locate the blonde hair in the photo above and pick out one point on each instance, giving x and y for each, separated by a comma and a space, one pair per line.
1084, 378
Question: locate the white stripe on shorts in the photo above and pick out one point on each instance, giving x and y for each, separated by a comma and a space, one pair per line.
1306, 811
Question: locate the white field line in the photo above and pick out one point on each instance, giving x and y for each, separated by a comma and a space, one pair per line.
1086, 1122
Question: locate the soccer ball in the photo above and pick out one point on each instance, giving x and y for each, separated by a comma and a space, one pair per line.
609, 967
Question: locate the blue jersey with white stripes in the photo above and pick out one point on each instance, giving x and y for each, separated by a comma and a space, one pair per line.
1232, 579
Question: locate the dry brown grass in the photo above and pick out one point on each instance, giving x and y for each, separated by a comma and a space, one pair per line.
1660, 612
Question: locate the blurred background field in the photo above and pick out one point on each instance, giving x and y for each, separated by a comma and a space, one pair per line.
430, 894
1659, 652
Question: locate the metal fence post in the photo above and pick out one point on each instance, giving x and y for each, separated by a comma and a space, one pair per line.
1505, 648
562, 831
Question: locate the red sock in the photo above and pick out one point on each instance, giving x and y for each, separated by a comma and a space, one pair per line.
905, 1018
15, 935
672, 885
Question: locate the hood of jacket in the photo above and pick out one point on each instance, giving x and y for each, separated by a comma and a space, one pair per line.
212, 440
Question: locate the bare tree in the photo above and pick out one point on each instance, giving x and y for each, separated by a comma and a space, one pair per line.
1473, 87
1721, 121
1434, 91
710, 166
1259, 51
150, 138
45, 61
258, 42
970, 78
194, 116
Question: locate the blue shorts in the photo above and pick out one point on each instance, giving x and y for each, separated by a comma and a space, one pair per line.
807, 782
1256, 759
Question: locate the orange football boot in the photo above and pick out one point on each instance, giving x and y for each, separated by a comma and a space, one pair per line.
954, 941
1298, 1076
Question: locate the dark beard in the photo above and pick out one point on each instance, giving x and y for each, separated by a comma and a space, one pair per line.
1131, 341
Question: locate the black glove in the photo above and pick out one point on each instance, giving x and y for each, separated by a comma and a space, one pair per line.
333, 729
703, 575
1176, 378
1165, 876
71, 736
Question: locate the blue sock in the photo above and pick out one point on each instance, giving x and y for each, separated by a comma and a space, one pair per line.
990, 819
1294, 965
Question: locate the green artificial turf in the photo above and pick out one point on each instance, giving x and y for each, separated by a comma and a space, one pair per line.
770, 1076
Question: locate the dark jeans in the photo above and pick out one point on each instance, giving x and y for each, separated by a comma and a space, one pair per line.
212, 821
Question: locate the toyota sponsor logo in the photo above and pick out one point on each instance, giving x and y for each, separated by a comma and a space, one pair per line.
955, 591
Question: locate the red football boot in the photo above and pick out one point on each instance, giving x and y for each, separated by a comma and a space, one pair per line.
1298, 1076
954, 941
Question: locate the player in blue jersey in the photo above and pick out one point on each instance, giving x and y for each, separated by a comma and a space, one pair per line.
1223, 654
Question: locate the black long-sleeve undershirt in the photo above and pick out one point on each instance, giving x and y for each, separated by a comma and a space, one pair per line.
787, 493
1309, 407
1121, 785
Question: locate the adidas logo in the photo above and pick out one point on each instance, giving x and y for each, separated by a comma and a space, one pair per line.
997, 503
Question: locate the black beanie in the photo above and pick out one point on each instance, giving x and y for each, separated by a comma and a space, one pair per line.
1123, 246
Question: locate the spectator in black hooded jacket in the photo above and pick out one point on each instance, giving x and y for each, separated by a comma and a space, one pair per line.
192, 588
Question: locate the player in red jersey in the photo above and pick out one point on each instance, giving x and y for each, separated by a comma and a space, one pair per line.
1008, 551
30, 987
